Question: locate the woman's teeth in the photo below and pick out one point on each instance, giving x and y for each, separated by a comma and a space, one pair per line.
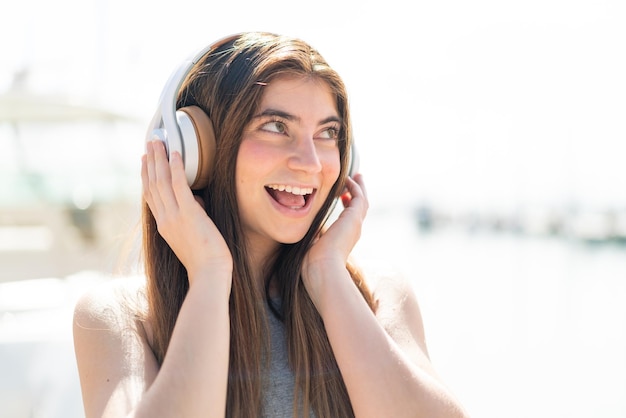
302, 191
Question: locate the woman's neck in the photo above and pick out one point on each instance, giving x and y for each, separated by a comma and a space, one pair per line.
261, 254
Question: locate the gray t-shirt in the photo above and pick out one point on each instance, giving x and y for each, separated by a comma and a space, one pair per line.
279, 391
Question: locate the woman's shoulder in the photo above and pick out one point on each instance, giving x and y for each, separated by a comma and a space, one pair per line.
398, 310
115, 360
114, 305
388, 284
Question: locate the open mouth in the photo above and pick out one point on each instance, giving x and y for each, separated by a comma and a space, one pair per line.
292, 197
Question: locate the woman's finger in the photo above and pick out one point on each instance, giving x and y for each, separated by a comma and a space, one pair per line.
180, 187
358, 178
149, 182
164, 177
144, 180
355, 189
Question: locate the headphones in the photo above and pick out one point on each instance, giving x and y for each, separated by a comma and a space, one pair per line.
189, 130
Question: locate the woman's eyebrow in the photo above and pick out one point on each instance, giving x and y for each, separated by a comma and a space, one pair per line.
275, 112
331, 119
288, 116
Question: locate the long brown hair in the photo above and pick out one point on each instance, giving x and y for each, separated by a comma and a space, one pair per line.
227, 83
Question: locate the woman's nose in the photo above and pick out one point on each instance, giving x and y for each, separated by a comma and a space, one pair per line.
305, 156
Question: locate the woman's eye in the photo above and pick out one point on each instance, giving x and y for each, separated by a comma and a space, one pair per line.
330, 133
275, 126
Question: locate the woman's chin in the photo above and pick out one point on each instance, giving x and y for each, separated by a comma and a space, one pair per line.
292, 236
292, 239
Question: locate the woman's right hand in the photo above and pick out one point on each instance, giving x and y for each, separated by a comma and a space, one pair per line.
181, 219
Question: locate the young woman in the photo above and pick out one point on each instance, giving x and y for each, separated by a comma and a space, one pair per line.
251, 306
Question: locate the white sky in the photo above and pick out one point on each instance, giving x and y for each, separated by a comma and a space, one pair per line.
473, 104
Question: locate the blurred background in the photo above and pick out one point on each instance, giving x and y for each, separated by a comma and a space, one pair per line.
491, 137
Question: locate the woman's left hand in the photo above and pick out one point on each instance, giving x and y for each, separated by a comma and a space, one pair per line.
331, 250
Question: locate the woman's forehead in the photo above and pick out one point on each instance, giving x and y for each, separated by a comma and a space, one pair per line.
295, 91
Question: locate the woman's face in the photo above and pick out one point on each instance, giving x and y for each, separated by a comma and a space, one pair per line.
288, 160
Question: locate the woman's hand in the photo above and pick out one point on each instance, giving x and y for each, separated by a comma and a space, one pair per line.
181, 219
331, 251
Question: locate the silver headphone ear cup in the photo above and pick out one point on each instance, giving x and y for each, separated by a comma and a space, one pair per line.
189, 141
199, 144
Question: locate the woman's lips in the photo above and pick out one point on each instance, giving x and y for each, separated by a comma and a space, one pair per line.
290, 197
